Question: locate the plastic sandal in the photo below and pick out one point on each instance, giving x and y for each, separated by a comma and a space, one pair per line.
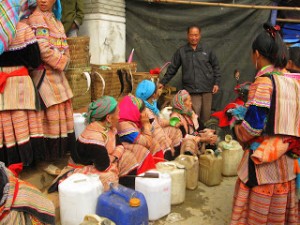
52, 170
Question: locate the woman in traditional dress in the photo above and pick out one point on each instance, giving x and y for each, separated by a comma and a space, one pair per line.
21, 128
54, 89
134, 129
169, 138
21, 203
187, 121
99, 149
265, 191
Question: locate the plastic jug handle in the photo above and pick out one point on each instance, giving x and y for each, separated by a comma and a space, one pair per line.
80, 180
127, 198
170, 164
120, 194
209, 152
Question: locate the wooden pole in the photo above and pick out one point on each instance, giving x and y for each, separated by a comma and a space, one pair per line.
287, 20
265, 7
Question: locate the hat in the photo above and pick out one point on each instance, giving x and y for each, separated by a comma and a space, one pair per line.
145, 89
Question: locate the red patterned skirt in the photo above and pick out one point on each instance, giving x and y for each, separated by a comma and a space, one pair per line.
21, 136
58, 128
265, 204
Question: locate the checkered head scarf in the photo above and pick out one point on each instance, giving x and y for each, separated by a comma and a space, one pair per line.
178, 103
99, 108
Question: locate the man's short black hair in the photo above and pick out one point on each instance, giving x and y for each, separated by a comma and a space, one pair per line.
193, 26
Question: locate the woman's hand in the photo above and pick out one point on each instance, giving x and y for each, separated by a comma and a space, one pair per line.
178, 124
144, 118
209, 138
197, 139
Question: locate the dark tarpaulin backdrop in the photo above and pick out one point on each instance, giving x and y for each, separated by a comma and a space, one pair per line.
156, 30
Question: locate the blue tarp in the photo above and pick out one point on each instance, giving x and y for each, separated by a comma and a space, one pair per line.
291, 32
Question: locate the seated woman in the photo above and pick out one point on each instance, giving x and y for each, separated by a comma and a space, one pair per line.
186, 120
134, 129
169, 138
21, 203
99, 149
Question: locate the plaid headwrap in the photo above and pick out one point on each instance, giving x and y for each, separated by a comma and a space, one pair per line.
137, 101
100, 108
9, 17
178, 102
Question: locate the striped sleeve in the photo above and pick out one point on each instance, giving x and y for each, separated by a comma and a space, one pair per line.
119, 150
52, 56
258, 105
255, 120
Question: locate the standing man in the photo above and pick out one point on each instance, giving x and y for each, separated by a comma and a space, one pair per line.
72, 16
200, 72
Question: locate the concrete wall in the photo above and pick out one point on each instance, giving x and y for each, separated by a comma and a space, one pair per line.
104, 22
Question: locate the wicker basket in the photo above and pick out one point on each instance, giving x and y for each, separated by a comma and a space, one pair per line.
79, 51
78, 84
111, 78
127, 66
112, 82
139, 76
81, 41
79, 63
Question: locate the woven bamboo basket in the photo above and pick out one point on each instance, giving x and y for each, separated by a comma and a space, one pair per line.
111, 78
79, 63
127, 66
79, 51
139, 76
79, 86
113, 85
79, 41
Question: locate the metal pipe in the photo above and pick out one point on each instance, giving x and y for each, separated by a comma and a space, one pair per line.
264, 7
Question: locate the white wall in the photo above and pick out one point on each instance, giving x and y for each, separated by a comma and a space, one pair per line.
104, 22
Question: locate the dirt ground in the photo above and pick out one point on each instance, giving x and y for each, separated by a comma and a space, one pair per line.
205, 205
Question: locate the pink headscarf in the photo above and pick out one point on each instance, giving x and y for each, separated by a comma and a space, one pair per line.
130, 109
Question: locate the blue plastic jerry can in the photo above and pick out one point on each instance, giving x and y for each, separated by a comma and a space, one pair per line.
124, 206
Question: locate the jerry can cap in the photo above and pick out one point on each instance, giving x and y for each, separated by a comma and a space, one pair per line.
134, 202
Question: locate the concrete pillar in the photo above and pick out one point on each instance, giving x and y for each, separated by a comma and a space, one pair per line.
104, 22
